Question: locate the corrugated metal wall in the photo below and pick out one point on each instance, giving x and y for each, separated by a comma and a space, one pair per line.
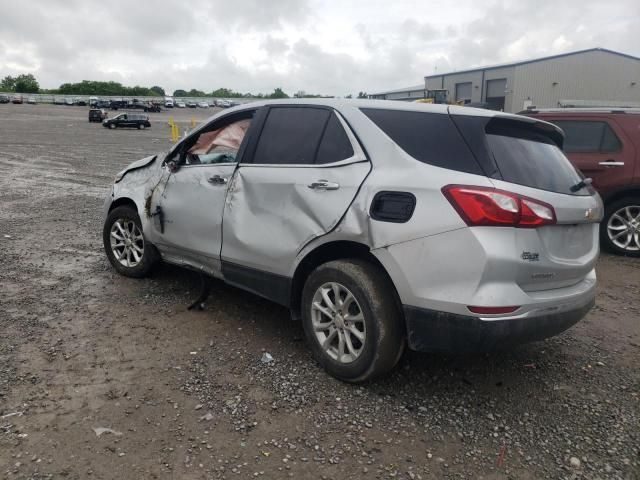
478, 84
590, 76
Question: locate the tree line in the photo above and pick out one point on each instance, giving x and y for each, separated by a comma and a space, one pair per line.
27, 83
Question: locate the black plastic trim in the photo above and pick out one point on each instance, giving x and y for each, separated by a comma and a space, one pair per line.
271, 286
434, 331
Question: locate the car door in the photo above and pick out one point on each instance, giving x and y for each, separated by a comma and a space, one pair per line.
295, 183
191, 202
600, 148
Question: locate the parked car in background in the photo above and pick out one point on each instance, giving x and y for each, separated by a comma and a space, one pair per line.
154, 107
224, 104
4, 98
58, 101
604, 143
168, 102
379, 224
102, 104
191, 104
80, 102
97, 115
32, 100
93, 101
137, 105
180, 104
17, 99
128, 120
69, 101
203, 105
117, 104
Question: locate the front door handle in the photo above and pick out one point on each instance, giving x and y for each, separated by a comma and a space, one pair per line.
611, 163
217, 180
324, 185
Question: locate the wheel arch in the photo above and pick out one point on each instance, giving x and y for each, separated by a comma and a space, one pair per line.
334, 250
630, 191
124, 201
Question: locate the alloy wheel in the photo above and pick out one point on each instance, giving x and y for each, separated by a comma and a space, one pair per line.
338, 322
623, 228
127, 242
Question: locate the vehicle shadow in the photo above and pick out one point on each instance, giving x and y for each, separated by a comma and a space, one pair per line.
523, 368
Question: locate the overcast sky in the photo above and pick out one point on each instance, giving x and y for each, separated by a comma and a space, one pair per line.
331, 47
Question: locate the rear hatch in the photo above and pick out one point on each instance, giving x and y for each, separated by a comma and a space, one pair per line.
523, 159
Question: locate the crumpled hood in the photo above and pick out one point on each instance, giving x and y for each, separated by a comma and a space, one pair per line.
142, 163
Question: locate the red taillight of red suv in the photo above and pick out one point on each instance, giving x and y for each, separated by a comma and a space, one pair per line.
482, 206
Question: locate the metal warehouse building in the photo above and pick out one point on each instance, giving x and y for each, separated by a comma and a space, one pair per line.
584, 78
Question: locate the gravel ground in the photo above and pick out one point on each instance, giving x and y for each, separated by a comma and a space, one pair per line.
185, 394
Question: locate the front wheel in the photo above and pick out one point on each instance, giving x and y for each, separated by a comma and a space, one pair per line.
351, 320
620, 229
112, 126
141, 126
125, 245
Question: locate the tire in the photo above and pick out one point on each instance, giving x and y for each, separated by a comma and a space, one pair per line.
619, 217
381, 327
113, 126
141, 126
131, 264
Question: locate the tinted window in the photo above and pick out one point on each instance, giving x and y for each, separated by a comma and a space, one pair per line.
527, 158
428, 137
291, 135
335, 144
586, 137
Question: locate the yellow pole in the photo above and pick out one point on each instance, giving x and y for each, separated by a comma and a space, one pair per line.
193, 122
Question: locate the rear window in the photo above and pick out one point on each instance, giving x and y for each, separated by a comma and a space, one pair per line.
528, 157
428, 137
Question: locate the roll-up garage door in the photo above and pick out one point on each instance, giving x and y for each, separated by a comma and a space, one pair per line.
463, 92
496, 90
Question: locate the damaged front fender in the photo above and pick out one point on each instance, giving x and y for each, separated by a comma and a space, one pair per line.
142, 163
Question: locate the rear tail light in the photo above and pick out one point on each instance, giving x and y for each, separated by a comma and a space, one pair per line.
482, 206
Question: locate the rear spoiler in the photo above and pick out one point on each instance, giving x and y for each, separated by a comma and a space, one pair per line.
525, 127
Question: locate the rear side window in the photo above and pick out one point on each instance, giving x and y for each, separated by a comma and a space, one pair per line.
291, 135
588, 136
428, 137
335, 144
526, 157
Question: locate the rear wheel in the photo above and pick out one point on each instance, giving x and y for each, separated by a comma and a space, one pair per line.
351, 320
125, 245
620, 229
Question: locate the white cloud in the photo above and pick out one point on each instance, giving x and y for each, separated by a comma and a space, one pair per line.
320, 46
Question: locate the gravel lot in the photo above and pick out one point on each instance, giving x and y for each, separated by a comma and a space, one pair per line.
186, 395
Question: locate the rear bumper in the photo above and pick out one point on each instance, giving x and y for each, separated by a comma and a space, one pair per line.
434, 331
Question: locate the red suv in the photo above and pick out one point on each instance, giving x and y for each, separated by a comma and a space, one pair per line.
604, 143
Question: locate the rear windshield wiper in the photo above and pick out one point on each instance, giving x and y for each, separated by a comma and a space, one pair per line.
581, 184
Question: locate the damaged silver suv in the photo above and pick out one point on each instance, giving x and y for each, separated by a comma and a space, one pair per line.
379, 224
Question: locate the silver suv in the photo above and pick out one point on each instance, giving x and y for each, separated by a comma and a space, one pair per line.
379, 224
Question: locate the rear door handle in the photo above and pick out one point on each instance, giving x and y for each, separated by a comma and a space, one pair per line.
611, 163
217, 180
324, 185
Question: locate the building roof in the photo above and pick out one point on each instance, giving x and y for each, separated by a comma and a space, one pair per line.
414, 88
533, 60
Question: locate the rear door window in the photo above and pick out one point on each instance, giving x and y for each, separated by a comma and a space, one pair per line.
588, 136
428, 137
